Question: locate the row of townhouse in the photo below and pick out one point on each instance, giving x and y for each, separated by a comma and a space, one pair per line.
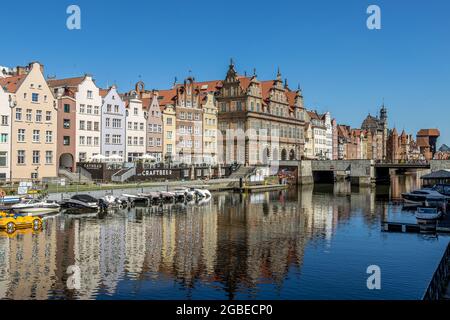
49, 125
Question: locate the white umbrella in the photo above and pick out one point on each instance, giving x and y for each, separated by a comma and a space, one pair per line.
147, 157
115, 157
98, 157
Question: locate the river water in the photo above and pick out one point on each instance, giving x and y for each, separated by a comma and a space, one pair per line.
303, 243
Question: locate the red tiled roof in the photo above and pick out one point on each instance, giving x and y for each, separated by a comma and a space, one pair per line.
11, 84
68, 82
166, 97
103, 92
265, 88
244, 82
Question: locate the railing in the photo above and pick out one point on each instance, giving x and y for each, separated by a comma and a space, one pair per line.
123, 176
85, 173
440, 278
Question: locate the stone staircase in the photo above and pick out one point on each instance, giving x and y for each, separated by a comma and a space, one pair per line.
73, 177
123, 175
242, 172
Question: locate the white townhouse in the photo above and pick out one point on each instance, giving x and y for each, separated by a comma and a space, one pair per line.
136, 134
113, 124
5, 135
328, 136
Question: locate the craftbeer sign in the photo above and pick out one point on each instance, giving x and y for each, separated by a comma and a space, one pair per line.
156, 172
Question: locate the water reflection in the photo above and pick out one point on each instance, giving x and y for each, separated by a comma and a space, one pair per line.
231, 247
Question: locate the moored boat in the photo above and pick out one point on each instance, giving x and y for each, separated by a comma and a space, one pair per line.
422, 196
80, 201
426, 215
35, 207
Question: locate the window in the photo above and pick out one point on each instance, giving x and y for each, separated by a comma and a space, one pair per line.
158, 142
150, 142
28, 115
141, 141
89, 125
169, 121
135, 141
108, 108
96, 110
169, 148
66, 140
18, 114
48, 116
141, 126
4, 138
48, 136
66, 108
36, 157
107, 122
82, 108
89, 94
82, 156
5, 120
169, 134
82, 124
135, 125
89, 141
3, 159
136, 111
130, 141
21, 135
197, 116
150, 126
116, 109
36, 135
35, 97
82, 140
116, 139
89, 109
96, 126
117, 123
159, 128
20, 156
96, 141
66, 123
48, 157
38, 115
107, 139
129, 125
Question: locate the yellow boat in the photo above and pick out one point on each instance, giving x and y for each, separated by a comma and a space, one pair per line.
12, 222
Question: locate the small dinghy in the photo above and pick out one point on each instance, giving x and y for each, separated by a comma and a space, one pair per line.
425, 215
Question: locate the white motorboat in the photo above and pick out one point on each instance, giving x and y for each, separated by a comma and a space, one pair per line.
200, 191
36, 207
427, 214
187, 193
136, 199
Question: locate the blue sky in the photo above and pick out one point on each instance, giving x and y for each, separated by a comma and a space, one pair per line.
324, 45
